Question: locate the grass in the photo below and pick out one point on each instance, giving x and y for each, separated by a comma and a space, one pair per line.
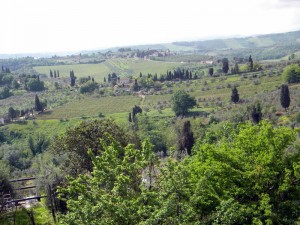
98, 71
42, 216
123, 68
91, 106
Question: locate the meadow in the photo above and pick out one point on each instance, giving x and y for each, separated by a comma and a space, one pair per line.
122, 67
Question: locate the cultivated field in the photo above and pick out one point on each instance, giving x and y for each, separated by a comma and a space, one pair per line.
123, 68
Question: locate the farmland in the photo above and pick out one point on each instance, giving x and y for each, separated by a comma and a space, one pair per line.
123, 67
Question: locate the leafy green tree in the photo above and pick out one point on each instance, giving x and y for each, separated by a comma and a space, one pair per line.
35, 84
73, 145
182, 102
5, 93
113, 193
250, 177
291, 73
39, 145
88, 87
285, 96
235, 95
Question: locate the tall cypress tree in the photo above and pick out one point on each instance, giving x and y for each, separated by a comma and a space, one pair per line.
225, 66
256, 113
38, 105
211, 71
235, 95
250, 63
187, 138
285, 96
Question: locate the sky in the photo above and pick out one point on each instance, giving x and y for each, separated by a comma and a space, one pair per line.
39, 26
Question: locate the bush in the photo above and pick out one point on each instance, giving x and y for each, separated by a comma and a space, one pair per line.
291, 74
88, 87
35, 84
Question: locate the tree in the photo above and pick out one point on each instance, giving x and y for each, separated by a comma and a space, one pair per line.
76, 141
235, 95
114, 193
38, 105
135, 86
236, 68
225, 65
88, 87
291, 73
135, 110
34, 84
250, 61
182, 102
129, 118
256, 113
73, 78
4, 93
211, 71
12, 113
186, 138
247, 176
285, 96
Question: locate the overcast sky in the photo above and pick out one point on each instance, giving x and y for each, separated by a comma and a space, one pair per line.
71, 25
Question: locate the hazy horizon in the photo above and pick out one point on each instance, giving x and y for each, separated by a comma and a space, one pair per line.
34, 26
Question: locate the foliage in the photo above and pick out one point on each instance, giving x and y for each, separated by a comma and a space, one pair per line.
114, 192
12, 113
249, 176
182, 102
39, 145
186, 139
88, 87
235, 95
291, 73
76, 141
285, 96
34, 84
38, 104
4, 93
256, 113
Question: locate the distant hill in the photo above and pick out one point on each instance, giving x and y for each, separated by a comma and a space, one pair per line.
290, 38
261, 47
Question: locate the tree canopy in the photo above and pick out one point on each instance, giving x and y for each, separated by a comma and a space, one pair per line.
239, 174
182, 102
76, 141
291, 73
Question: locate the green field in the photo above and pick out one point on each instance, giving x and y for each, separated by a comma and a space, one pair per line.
123, 68
119, 106
92, 106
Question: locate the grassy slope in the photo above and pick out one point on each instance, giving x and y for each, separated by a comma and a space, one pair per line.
123, 67
92, 106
